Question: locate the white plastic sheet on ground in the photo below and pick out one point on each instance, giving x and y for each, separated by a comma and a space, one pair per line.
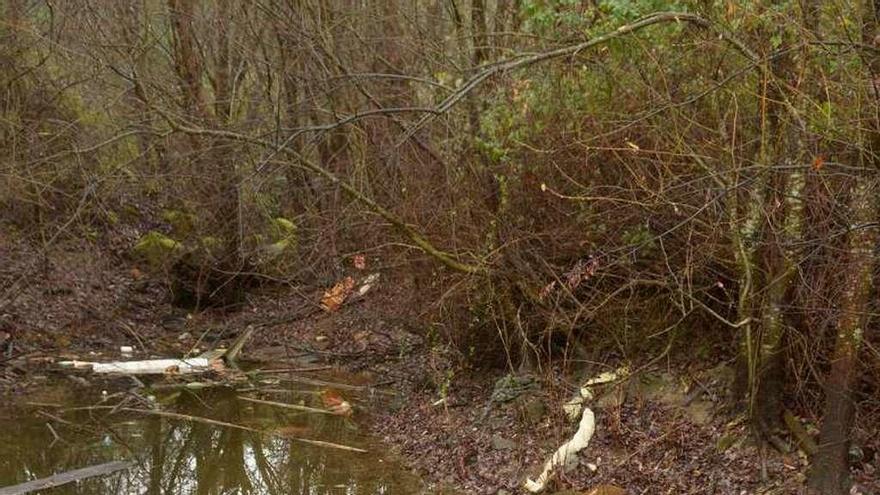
577, 443
586, 428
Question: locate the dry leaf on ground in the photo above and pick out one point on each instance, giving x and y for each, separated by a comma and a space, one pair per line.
333, 298
335, 403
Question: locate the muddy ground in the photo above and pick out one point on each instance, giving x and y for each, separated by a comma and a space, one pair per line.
656, 433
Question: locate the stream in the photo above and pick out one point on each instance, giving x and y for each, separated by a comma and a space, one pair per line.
57, 429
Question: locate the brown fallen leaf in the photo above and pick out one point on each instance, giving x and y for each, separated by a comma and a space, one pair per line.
335, 403
333, 298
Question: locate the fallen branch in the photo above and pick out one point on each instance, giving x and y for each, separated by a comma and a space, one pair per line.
214, 422
65, 478
187, 417
808, 445
284, 405
290, 370
321, 443
585, 430
341, 386
238, 344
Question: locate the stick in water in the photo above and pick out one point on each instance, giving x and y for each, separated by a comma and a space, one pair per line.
284, 405
64, 478
199, 419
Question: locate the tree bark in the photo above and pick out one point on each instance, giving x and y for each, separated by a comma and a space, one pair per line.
772, 262
830, 473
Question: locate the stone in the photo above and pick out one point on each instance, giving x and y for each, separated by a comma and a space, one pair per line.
612, 399
501, 443
700, 412
532, 410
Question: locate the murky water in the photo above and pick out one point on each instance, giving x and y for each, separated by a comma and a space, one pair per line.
177, 456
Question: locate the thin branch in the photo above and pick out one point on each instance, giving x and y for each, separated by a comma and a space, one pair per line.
418, 239
572, 50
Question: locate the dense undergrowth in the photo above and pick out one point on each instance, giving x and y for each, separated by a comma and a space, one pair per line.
574, 181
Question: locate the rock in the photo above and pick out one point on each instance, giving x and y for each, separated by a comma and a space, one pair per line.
174, 321
612, 399
700, 412
722, 375
532, 410
502, 491
662, 388
501, 443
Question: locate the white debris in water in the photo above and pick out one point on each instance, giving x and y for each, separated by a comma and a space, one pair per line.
149, 367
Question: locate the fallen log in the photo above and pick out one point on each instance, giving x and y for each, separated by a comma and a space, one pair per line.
65, 478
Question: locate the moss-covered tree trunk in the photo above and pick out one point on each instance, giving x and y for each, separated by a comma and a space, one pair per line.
770, 266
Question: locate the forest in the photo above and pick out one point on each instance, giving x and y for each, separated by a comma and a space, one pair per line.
490, 207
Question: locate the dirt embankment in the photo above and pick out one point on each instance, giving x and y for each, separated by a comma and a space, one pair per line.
655, 432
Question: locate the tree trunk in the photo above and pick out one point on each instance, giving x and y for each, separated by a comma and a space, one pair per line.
187, 63
211, 277
829, 474
772, 262
478, 35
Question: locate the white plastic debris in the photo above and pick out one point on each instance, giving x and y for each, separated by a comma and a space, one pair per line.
573, 407
149, 367
367, 284
561, 457
586, 428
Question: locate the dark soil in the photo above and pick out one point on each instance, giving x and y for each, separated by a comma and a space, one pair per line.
77, 302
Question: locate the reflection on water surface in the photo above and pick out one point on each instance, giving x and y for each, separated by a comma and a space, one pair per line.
173, 456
